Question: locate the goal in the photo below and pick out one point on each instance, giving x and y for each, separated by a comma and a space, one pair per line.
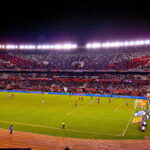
140, 104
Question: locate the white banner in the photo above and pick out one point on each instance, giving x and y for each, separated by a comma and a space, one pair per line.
65, 89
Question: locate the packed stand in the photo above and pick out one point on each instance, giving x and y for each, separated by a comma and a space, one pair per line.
126, 84
97, 60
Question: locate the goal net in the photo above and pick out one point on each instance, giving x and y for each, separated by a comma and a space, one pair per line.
148, 96
140, 104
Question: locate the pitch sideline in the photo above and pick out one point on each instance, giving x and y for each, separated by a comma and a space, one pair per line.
128, 124
42, 126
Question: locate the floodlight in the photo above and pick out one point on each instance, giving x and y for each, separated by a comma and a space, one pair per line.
74, 46
88, 45
131, 43
116, 44
1, 46
126, 43
106, 45
27, 46
96, 45
58, 46
39, 46
147, 41
8, 46
51, 46
139, 42
66, 46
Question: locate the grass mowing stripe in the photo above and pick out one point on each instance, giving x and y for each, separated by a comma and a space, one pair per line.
105, 118
41, 126
128, 124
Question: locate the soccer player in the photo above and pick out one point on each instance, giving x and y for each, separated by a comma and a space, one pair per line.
109, 100
144, 123
127, 103
143, 128
43, 101
76, 103
147, 116
92, 101
91, 97
63, 125
9, 96
98, 100
11, 129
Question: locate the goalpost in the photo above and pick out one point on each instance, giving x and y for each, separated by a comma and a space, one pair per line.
141, 108
148, 96
140, 104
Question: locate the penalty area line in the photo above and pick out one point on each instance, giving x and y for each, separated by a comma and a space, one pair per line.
118, 108
76, 109
128, 124
73, 111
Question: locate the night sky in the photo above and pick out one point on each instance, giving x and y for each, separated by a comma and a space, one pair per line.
72, 21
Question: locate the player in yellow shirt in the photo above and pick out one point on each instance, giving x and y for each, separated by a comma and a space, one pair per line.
63, 125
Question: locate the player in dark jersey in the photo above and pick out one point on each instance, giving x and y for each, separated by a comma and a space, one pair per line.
98, 100
76, 103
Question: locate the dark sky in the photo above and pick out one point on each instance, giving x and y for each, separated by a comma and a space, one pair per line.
73, 21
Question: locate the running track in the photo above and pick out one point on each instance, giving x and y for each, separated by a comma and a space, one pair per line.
44, 142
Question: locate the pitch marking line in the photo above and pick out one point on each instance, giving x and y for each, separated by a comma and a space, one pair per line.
42, 126
118, 107
128, 124
76, 109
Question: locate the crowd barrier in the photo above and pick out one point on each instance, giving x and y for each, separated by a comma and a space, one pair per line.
76, 94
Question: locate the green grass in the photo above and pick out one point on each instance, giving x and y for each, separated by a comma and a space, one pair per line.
97, 121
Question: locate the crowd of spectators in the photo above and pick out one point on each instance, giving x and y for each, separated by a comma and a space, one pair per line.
105, 60
129, 84
119, 76
118, 60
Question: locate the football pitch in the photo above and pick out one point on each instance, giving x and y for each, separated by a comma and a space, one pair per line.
106, 120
